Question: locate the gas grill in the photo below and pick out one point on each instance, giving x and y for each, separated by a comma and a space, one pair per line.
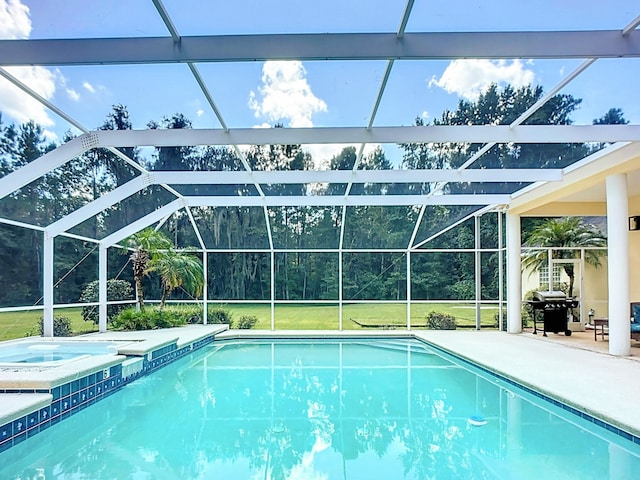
554, 307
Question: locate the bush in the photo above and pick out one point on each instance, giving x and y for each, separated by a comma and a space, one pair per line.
185, 314
219, 315
116, 290
496, 319
440, 321
61, 326
526, 311
247, 322
149, 319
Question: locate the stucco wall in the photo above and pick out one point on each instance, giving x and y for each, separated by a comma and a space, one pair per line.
595, 294
634, 253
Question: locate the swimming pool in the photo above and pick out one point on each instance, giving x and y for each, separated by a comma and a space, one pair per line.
43, 352
384, 409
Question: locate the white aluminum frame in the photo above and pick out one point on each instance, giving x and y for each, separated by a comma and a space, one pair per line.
589, 45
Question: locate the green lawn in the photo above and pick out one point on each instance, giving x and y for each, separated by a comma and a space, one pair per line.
299, 317
25, 323
325, 317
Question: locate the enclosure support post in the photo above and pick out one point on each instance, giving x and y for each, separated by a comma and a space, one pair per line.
408, 289
514, 275
273, 290
478, 270
340, 267
205, 286
47, 285
500, 275
618, 258
340, 290
102, 288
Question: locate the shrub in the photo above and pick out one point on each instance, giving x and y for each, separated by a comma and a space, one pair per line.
247, 322
526, 311
116, 290
184, 314
219, 315
496, 319
61, 326
441, 321
149, 319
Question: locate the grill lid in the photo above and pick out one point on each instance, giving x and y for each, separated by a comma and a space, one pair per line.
550, 296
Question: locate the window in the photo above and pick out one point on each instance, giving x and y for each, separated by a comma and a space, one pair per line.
543, 277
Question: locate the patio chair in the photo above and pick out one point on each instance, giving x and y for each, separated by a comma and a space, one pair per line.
635, 320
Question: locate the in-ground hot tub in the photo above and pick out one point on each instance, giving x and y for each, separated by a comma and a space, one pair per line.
54, 351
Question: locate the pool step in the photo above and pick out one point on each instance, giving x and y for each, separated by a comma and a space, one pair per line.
132, 366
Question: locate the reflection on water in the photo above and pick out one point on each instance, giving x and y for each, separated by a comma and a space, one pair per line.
330, 410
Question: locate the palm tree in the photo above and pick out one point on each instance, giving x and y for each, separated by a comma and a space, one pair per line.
559, 233
177, 269
147, 246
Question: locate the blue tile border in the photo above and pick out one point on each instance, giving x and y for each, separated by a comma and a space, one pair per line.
584, 415
76, 395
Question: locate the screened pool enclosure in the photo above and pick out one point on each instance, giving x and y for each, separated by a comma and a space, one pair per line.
375, 203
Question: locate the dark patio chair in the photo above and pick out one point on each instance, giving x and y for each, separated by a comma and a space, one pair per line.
635, 320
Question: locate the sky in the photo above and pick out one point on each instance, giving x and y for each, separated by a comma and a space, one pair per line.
302, 94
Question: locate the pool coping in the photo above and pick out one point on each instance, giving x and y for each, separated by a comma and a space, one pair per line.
17, 405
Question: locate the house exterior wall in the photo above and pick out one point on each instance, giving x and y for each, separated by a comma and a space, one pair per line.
595, 280
634, 253
594, 296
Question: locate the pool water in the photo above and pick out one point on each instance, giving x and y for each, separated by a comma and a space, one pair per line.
45, 351
322, 410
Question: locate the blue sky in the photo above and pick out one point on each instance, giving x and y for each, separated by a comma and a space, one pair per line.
303, 94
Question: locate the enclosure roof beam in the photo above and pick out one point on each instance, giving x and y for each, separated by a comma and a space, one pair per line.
322, 46
44, 164
98, 205
533, 108
360, 176
480, 211
350, 201
16, 223
631, 26
383, 85
351, 135
166, 18
143, 222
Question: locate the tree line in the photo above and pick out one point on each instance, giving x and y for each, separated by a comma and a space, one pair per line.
300, 275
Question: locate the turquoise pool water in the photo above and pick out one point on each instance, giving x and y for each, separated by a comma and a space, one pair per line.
320, 410
39, 351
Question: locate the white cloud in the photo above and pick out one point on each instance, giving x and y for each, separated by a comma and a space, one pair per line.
87, 86
49, 135
285, 95
16, 24
323, 153
468, 78
73, 95
199, 112
14, 20
21, 107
